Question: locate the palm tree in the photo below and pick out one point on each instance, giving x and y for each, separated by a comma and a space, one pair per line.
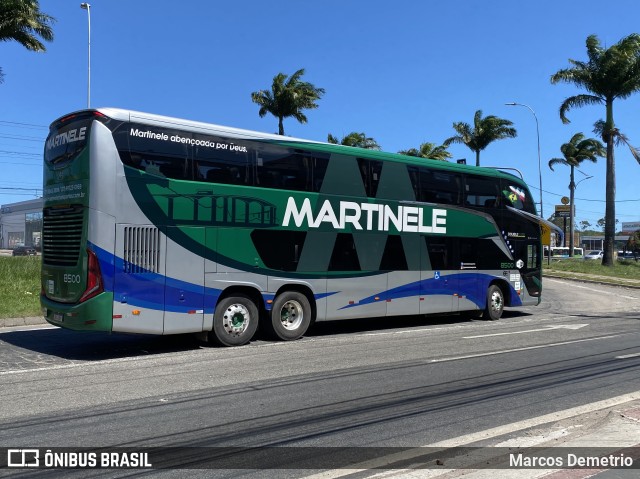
485, 131
608, 74
578, 149
359, 140
288, 97
22, 21
428, 150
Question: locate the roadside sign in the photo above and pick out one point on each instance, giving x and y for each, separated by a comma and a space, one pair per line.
564, 211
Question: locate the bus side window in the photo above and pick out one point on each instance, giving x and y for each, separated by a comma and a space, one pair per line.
283, 168
370, 172
414, 176
344, 256
319, 167
220, 165
441, 252
156, 156
439, 187
480, 191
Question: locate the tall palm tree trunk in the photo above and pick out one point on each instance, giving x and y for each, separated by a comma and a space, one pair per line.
610, 192
477, 157
280, 126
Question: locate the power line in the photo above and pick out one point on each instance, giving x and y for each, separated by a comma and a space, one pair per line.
583, 199
19, 153
23, 138
24, 125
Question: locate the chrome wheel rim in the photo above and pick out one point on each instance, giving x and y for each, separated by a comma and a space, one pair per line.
235, 320
291, 315
496, 301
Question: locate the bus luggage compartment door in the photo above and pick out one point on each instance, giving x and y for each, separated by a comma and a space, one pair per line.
184, 283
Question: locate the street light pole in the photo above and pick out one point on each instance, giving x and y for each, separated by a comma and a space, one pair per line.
539, 161
87, 7
572, 189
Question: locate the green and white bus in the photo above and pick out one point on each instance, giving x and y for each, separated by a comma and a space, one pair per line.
160, 225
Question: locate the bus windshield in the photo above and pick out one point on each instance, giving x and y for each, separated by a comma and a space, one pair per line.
66, 140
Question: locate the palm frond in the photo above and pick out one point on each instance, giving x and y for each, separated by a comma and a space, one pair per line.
556, 161
577, 101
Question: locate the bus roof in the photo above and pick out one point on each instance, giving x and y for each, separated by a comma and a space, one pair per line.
201, 127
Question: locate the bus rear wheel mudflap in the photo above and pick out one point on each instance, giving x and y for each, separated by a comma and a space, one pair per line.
235, 321
495, 303
290, 316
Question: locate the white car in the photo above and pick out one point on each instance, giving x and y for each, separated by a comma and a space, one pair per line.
596, 254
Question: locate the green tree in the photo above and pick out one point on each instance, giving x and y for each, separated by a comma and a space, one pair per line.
359, 140
602, 223
608, 74
484, 132
289, 96
428, 150
23, 22
584, 225
577, 150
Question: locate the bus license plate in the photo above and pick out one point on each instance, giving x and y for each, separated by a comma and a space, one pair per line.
59, 317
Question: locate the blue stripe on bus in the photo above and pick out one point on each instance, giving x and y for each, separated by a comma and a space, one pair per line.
467, 287
149, 289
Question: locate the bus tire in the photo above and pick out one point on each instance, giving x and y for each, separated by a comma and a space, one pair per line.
495, 303
235, 321
290, 316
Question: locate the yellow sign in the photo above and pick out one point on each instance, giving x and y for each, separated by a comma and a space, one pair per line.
546, 234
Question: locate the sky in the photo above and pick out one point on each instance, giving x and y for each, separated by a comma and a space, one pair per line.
402, 72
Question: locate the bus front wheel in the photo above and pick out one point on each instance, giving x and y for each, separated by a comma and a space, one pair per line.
495, 303
235, 321
290, 315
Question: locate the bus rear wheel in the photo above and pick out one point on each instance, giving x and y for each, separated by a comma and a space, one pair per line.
290, 316
495, 303
235, 321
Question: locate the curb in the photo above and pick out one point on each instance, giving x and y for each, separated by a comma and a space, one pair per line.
575, 277
26, 321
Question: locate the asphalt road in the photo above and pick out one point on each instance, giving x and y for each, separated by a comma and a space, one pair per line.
403, 382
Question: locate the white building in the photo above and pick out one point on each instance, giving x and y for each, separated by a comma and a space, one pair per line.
21, 223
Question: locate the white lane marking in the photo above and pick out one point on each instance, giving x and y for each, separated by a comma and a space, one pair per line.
526, 348
599, 291
627, 356
546, 328
76, 365
383, 462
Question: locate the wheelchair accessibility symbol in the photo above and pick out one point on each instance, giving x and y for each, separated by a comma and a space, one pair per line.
436, 275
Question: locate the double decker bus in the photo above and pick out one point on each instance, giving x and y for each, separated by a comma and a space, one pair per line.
160, 225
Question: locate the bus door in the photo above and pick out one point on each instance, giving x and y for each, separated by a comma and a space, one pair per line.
440, 277
524, 231
138, 301
184, 283
528, 261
